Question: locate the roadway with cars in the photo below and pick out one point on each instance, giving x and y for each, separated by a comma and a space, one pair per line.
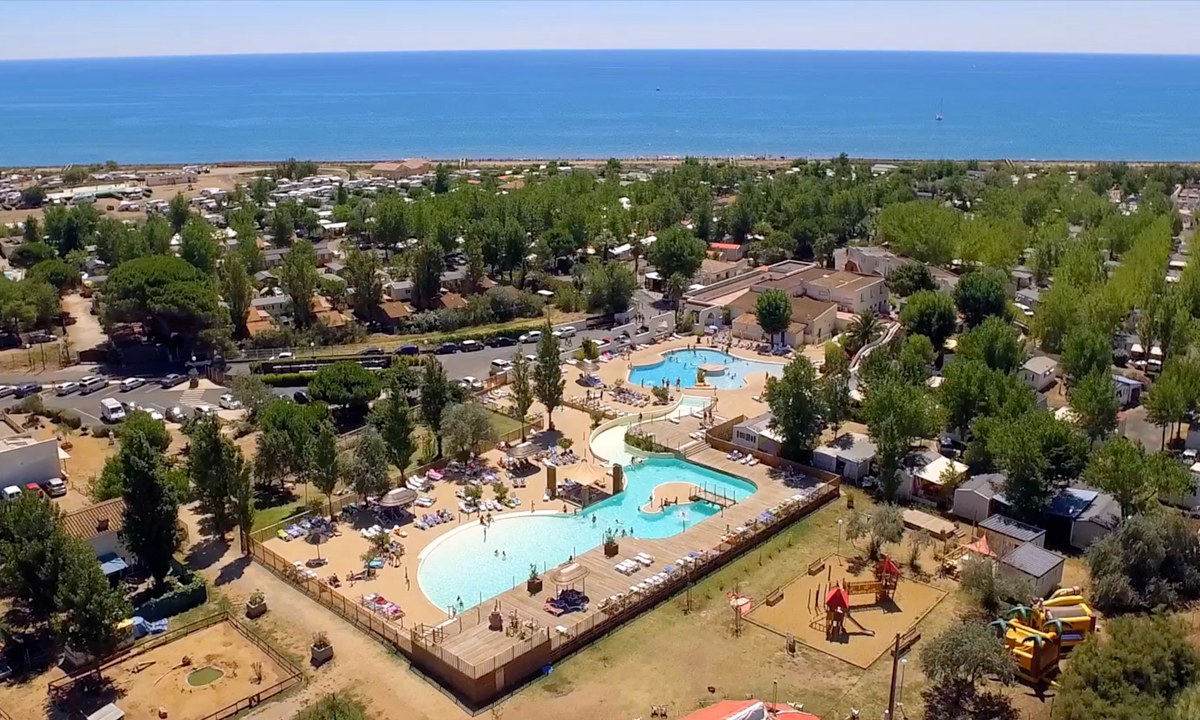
151, 396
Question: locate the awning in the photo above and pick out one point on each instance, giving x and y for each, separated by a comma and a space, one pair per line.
112, 564
399, 497
568, 574
524, 450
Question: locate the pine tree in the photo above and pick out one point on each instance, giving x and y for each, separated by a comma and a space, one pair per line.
547, 374
151, 523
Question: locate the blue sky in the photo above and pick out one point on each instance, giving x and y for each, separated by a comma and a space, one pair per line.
122, 28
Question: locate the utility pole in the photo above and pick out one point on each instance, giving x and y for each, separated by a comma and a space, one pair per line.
891, 713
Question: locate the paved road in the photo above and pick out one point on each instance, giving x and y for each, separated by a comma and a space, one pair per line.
149, 396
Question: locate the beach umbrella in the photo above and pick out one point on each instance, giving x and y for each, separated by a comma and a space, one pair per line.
398, 497
318, 536
588, 366
522, 451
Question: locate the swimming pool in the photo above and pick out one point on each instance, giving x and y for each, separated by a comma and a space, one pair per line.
465, 566
681, 365
609, 445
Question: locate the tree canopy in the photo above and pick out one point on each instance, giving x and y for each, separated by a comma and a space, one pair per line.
797, 407
345, 384
931, 314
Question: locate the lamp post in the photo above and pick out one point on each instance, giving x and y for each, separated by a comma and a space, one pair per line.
903, 666
839, 540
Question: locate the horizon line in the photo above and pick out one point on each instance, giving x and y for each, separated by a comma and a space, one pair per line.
302, 53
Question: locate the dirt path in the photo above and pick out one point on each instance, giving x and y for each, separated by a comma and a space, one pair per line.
85, 333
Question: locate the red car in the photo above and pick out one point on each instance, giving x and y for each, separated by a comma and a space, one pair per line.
34, 488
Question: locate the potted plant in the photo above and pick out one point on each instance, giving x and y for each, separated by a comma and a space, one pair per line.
534, 583
610, 543
322, 649
256, 605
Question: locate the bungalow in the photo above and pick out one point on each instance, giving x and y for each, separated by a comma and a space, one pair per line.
390, 313
273, 257
325, 313
1129, 391
401, 170
756, 434
927, 475
1039, 372
100, 527
275, 305
1042, 568
1029, 297
621, 252
850, 455
1005, 534
259, 321
1081, 516
401, 290
265, 278
335, 268
979, 498
712, 271
730, 252
813, 321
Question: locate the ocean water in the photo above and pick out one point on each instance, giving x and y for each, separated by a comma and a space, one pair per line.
599, 104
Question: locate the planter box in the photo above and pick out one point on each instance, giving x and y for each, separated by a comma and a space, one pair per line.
255, 611
611, 549
534, 586
320, 656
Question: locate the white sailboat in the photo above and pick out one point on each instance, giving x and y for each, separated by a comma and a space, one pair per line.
938, 117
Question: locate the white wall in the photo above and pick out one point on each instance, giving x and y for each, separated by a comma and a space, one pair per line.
37, 462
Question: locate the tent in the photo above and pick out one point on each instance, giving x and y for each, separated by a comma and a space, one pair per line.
981, 547
108, 712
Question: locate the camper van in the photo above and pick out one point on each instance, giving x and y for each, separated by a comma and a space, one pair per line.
111, 410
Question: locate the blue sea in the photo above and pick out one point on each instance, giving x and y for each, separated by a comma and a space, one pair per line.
599, 104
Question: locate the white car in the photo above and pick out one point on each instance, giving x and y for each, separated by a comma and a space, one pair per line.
285, 355
471, 382
6, 390
202, 410
564, 332
530, 337
531, 358
132, 382
66, 388
154, 414
229, 403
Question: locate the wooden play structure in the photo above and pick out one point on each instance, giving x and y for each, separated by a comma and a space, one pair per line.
839, 599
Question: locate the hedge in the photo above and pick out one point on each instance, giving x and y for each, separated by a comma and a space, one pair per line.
191, 592
286, 379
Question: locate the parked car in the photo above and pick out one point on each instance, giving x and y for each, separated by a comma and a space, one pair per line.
6, 390
372, 351
301, 397
500, 365
531, 337
40, 336
172, 380
471, 382
175, 414
470, 346
502, 341
132, 382
66, 388
531, 358
408, 350
154, 414
34, 489
228, 402
27, 389
564, 332
55, 487
285, 355
202, 410
446, 348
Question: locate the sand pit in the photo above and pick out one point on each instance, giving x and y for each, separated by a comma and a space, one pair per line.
191, 676
800, 613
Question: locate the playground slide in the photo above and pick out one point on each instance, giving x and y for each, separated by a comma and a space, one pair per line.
865, 631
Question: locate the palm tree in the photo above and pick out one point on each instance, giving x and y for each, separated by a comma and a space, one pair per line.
862, 331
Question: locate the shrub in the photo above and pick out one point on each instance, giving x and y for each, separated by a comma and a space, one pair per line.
70, 418
685, 325
31, 405
190, 591
661, 394
285, 379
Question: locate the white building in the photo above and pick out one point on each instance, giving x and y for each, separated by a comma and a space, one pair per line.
1039, 372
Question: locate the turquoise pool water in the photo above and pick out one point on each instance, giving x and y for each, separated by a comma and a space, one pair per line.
470, 566
681, 365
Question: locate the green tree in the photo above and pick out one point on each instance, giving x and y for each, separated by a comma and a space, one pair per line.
1094, 402
677, 252
441, 179
212, 464
436, 396
476, 265
911, 278
916, 358
391, 418
31, 230
243, 500
369, 473
286, 438
1058, 310
1173, 394
151, 528
862, 330
548, 380
1134, 477
362, 274
326, 470
298, 277
58, 273
520, 380
898, 414
884, 526
139, 424
236, 290
980, 294
178, 212
990, 590
169, 297
923, 230
931, 314
467, 426
968, 652
198, 245
773, 308
427, 266
334, 707
835, 393
92, 609
1137, 673
797, 407
996, 343
30, 254
32, 554
347, 384
1086, 351
961, 700
1037, 453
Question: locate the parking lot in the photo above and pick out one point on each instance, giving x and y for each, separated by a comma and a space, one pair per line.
150, 396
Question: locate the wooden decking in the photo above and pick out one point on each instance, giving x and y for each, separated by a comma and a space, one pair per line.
466, 642
719, 499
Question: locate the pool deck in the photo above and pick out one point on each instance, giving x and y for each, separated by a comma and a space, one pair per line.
468, 638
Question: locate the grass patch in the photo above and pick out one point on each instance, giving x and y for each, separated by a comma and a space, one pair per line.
503, 424
266, 517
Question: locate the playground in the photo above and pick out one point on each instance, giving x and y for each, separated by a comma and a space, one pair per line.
852, 613
189, 676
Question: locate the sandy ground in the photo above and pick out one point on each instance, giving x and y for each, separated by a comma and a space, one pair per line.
163, 684
85, 333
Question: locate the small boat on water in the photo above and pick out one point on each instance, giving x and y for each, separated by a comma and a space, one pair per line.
938, 117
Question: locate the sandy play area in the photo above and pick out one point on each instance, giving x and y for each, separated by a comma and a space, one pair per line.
222, 668
798, 614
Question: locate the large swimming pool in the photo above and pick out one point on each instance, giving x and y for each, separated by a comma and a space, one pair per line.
681, 365
468, 566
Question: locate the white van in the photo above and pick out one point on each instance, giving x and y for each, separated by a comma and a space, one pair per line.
12, 492
92, 383
111, 410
